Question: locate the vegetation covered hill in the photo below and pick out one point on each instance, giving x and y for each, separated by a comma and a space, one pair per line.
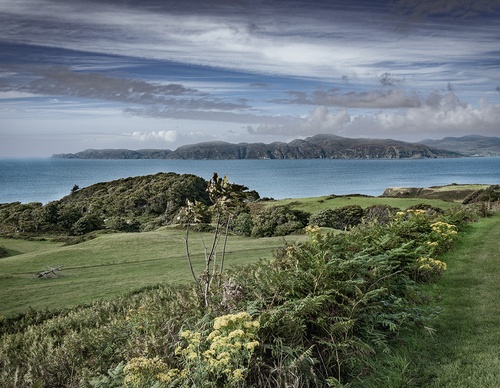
315, 147
129, 204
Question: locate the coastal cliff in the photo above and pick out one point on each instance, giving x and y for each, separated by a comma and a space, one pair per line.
315, 147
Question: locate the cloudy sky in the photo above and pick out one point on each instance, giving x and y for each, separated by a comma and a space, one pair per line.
77, 74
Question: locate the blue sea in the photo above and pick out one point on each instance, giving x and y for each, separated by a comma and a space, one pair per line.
45, 180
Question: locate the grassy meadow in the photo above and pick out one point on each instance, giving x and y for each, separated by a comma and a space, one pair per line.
115, 264
109, 265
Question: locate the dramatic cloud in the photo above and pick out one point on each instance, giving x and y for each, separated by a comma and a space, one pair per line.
244, 70
65, 82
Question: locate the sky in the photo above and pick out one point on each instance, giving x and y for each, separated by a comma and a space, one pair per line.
143, 74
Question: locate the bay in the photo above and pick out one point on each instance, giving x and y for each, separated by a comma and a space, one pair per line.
44, 180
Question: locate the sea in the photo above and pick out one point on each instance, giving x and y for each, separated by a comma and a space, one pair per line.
45, 180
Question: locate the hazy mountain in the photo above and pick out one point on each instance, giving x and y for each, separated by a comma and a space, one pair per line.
116, 154
315, 147
471, 145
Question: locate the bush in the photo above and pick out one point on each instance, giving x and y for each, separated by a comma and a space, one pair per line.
242, 224
86, 224
341, 218
381, 214
324, 218
266, 222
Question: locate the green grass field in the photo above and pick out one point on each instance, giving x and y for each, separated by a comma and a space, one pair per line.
110, 265
320, 203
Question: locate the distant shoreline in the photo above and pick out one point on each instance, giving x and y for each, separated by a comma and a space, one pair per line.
315, 147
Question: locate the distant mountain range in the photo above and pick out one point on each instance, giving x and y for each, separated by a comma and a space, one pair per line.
315, 147
471, 145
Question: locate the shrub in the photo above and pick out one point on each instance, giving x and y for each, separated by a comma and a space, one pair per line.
324, 218
381, 214
341, 218
86, 224
242, 224
266, 222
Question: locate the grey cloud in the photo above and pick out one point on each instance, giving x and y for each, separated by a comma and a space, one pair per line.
393, 98
260, 84
387, 79
216, 116
497, 89
462, 9
64, 82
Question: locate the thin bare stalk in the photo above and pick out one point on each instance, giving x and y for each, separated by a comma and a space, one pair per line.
224, 250
188, 255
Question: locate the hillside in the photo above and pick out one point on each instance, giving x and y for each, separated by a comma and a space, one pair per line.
315, 147
472, 145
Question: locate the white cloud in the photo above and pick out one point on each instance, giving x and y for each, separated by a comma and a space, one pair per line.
440, 115
319, 120
154, 136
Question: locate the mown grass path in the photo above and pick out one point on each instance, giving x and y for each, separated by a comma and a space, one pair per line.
465, 352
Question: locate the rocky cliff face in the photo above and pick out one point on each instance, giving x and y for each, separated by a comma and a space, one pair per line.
315, 147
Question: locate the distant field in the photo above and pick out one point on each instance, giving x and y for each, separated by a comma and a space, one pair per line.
110, 265
319, 203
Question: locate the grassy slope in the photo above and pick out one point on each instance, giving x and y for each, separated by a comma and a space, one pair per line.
466, 349
109, 265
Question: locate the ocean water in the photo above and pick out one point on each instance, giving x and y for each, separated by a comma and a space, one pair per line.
45, 180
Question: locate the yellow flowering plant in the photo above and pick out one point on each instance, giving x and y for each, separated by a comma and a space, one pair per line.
223, 356
428, 269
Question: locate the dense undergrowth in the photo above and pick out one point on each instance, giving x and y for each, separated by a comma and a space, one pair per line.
313, 315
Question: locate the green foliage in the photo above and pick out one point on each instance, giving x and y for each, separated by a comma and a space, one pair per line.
278, 221
87, 223
125, 203
340, 218
242, 224
381, 214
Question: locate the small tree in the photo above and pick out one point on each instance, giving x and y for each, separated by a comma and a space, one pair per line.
227, 200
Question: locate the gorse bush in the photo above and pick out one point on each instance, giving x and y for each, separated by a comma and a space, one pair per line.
310, 316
